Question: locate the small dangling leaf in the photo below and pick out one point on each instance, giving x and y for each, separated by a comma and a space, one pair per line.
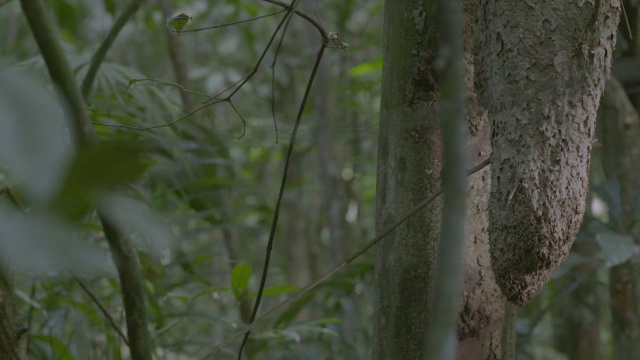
178, 22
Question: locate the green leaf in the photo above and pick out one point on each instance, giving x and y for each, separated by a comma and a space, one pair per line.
35, 147
178, 22
207, 292
617, 248
97, 168
68, 18
131, 215
288, 315
42, 245
365, 68
110, 6
240, 276
60, 350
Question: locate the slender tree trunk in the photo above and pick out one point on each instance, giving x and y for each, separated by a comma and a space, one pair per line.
621, 150
409, 165
10, 336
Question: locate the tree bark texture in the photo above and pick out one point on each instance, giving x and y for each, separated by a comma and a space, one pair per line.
541, 69
409, 165
482, 310
621, 157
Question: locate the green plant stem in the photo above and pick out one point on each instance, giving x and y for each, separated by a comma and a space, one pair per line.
122, 250
98, 57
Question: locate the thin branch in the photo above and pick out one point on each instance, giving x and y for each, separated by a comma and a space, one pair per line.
228, 24
273, 79
244, 123
161, 125
302, 14
257, 65
329, 274
283, 183
103, 310
240, 83
97, 59
626, 20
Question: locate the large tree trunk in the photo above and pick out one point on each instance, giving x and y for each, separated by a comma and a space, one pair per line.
409, 164
482, 312
541, 68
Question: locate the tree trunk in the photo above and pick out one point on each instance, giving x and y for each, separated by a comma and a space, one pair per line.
409, 164
621, 156
541, 68
10, 334
482, 312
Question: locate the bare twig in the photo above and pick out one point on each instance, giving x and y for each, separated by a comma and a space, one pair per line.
626, 20
329, 274
302, 14
227, 24
289, 8
103, 310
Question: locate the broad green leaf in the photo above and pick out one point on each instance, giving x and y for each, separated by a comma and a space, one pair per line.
288, 315
96, 169
240, 276
68, 18
178, 22
617, 248
150, 232
110, 6
60, 350
35, 147
42, 245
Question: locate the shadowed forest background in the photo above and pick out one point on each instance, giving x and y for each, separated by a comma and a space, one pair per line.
192, 177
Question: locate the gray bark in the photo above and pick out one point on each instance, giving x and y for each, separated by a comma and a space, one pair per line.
541, 70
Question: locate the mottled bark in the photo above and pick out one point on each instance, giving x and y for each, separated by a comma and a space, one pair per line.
541, 68
621, 156
482, 312
409, 164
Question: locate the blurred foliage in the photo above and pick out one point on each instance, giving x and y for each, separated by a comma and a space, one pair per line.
196, 200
